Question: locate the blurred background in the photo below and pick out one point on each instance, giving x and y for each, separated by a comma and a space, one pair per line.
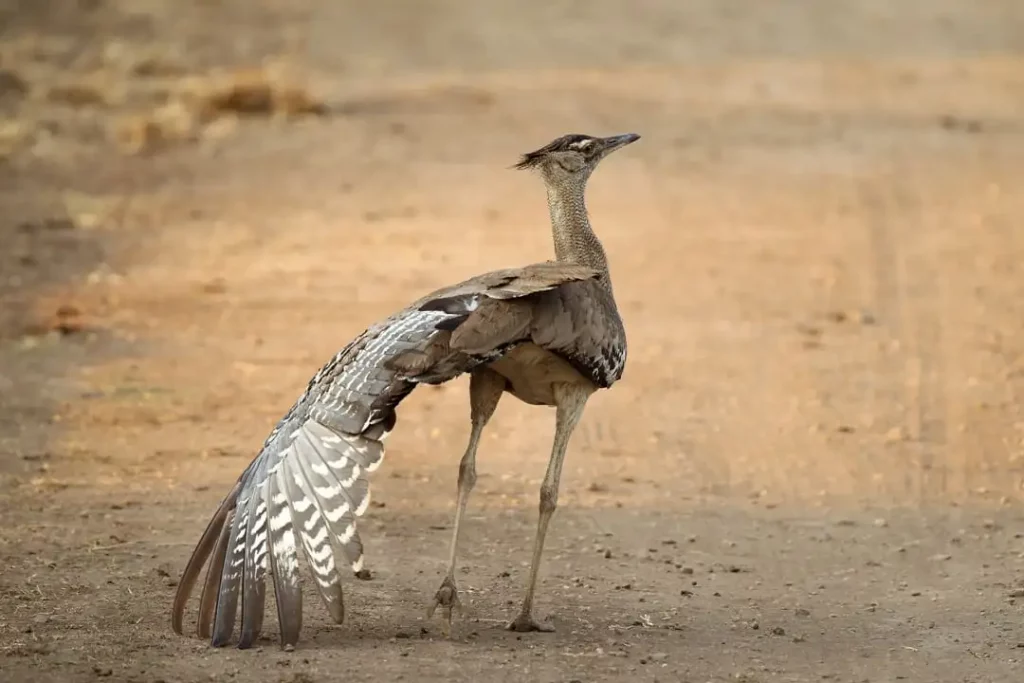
816, 248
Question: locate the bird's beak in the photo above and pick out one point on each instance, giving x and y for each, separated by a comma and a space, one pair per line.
614, 142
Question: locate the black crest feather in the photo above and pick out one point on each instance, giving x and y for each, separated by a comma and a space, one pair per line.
532, 159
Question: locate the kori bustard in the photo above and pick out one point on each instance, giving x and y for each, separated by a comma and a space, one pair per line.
549, 333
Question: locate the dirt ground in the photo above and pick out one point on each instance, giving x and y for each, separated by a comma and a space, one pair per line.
812, 470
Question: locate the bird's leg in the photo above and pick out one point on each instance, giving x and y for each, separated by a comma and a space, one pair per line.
570, 399
485, 389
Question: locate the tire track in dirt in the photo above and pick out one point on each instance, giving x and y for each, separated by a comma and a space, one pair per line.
924, 342
908, 300
987, 348
886, 280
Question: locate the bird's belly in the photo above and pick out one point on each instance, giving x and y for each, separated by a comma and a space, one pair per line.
533, 373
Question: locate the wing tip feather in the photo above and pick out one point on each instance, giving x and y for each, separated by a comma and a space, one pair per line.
226, 583
200, 555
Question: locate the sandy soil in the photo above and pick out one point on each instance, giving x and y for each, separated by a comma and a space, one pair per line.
812, 470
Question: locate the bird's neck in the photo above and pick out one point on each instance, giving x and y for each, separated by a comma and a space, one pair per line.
575, 241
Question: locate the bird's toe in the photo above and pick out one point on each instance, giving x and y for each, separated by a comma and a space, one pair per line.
447, 598
525, 623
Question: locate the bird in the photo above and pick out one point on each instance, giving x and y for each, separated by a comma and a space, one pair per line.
550, 334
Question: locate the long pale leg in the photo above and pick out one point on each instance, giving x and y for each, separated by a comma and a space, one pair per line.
570, 399
485, 389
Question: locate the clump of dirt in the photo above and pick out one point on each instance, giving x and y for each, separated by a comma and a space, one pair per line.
66, 319
80, 94
210, 105
257, 92
12, 86
143, 133
142, 102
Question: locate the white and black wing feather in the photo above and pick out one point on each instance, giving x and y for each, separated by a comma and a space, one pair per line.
305, 490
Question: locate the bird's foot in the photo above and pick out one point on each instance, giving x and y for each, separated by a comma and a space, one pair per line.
447, 598
524, 623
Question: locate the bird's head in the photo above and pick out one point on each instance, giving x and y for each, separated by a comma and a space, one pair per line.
573, 157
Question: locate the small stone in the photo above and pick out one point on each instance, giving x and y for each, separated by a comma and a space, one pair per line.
778, 631
12, 85
837, 316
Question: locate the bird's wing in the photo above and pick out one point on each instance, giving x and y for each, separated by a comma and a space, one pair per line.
309, 483
559, 307
581, 323
490, 312
511, 283
540, 277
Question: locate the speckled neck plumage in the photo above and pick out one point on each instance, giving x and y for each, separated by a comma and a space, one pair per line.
574, 239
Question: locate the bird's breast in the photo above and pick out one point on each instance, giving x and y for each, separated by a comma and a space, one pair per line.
532, 373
